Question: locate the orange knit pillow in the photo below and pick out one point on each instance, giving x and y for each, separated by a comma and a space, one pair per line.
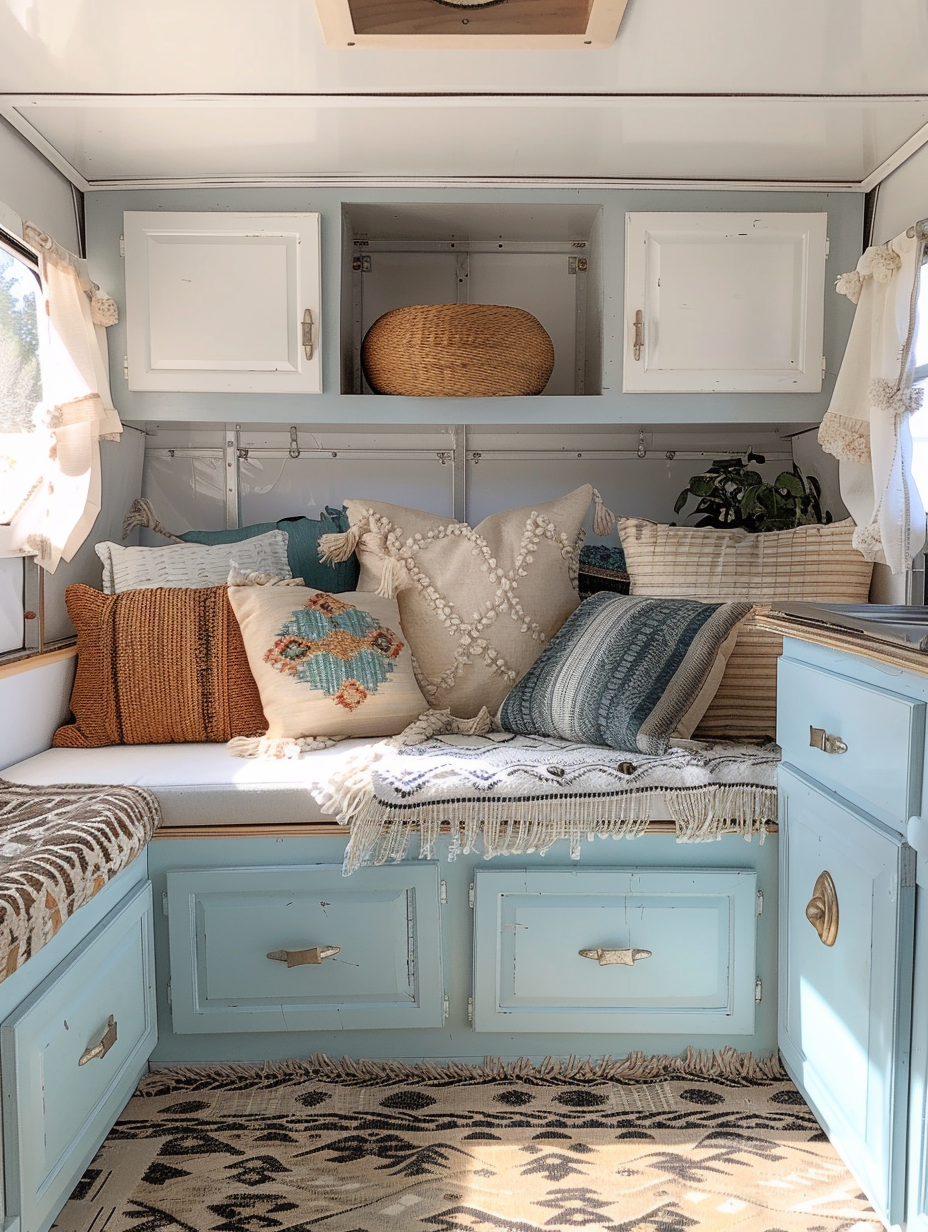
160, 666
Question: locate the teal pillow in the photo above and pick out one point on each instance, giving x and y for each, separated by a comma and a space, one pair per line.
303, 535
622, 671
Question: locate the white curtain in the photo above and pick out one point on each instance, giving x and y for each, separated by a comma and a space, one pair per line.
866, 426
77, 408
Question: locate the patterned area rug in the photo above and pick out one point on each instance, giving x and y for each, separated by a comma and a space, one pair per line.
305, 1146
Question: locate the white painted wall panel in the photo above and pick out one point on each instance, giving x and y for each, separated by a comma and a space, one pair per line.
33, 704
903, 198
34, 189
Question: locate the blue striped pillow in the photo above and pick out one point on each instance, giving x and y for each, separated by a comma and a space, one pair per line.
622, 671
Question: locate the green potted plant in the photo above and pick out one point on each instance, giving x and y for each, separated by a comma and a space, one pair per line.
731, 494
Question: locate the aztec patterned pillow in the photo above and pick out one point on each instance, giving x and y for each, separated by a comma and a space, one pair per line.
621, 672
190, 565
477, 603
327, 665
158, 666
810, 562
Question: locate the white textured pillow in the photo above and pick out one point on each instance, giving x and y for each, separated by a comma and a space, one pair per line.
191, 565
478, 604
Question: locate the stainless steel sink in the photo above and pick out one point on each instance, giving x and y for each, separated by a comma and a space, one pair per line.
886, 622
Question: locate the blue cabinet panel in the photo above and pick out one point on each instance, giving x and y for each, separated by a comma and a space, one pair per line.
879, 770
575, 949
295, 949
71, 1056
845, 1006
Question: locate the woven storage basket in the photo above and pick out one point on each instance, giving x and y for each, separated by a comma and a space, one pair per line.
457, 351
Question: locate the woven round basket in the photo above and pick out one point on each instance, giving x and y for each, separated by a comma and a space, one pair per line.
457, 351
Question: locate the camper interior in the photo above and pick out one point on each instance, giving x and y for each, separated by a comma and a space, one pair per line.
411, 300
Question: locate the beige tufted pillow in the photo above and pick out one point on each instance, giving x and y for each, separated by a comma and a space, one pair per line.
477, 604
810, 562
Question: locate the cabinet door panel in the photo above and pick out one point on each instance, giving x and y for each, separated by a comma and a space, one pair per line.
693, 930
844, 1006
225, 924
217, 301
883, 731
726, 302
58, 1106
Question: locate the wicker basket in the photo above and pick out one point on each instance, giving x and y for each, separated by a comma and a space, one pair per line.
457, 351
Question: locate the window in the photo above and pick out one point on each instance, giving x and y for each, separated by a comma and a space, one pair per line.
21, 444
919, 421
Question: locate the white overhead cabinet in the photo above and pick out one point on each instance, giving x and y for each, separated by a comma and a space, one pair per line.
226, 303
724, 302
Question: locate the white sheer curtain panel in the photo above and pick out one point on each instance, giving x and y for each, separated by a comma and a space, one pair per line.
77, 408
867, 426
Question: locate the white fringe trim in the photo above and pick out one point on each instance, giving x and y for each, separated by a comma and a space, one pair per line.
381, 834
727, 1064
277, 748
845, 437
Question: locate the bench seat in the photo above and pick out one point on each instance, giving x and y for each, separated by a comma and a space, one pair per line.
59, 846
198, 784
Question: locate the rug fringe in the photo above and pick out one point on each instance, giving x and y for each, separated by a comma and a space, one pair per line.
738, 1068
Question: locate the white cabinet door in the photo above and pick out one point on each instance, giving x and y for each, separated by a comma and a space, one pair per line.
724, 302
223, 302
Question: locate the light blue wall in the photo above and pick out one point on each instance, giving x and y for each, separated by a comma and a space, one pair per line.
104, 226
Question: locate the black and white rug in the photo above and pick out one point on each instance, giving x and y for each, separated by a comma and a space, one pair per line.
361, 1147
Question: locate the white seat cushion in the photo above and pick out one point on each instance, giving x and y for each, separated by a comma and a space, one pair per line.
198, 784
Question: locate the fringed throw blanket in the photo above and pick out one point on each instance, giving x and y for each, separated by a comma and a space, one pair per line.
516, 794
59, 846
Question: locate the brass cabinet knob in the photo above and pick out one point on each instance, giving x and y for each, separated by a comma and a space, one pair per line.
105, 1044
302, 958
822, 909
820, 739
615, 958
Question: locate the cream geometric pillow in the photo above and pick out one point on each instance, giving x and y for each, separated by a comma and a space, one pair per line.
810, 562
477, 604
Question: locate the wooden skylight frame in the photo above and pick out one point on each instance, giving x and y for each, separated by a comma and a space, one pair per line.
481, 24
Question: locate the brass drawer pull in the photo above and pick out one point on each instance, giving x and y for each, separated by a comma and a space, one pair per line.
105, 1044
822, 909
302, 958
820, 739
615, 958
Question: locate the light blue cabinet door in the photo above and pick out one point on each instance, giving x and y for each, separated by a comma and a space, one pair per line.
882, 731
845, 1007
71, 1056
917, 1183
593, 949
225, 925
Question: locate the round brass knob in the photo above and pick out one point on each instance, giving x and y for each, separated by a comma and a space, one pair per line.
822, 909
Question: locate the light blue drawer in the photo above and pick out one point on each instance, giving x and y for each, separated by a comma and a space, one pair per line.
56, 1110
224, 924
698, 925
881, 771
845, 1006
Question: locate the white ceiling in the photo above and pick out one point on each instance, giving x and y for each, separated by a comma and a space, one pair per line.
804, 91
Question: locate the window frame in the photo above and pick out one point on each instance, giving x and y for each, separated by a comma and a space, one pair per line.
33, 641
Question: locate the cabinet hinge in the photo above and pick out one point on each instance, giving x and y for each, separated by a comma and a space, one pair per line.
165, 906
759, 909
470, 1009
470, 895
122, 245
442, 891
758, 991
361, 264
827, 246
824, 365
446, 1007
125, 367
170, 996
